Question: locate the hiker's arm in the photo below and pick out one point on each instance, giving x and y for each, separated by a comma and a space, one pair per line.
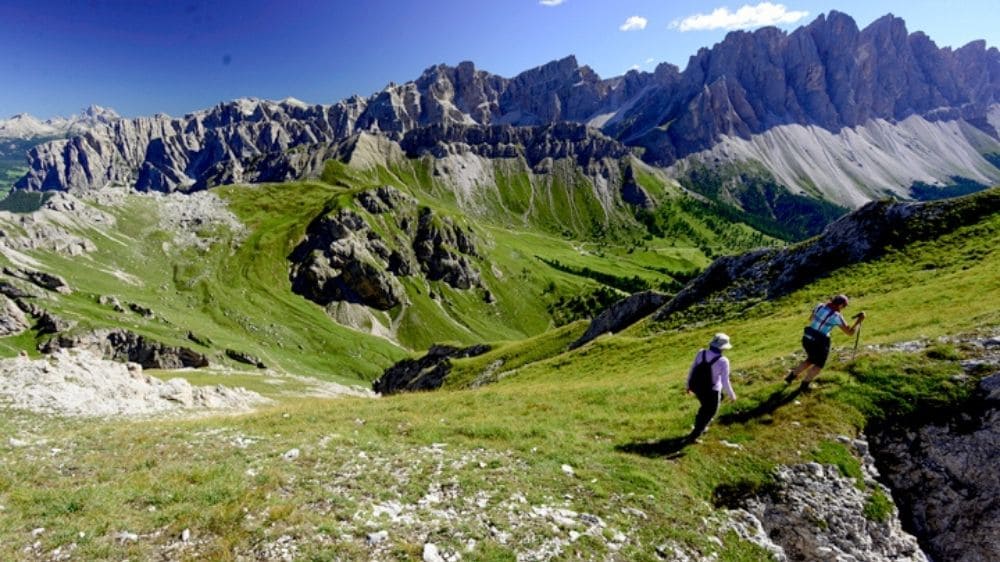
850, 330
726, 386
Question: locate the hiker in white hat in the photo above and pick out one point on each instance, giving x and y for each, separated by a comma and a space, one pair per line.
709, 375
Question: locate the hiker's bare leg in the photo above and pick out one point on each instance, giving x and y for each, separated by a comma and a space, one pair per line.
812, 373
797, 370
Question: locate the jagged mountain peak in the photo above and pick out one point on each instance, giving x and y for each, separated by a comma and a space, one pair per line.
100, 113
827, 74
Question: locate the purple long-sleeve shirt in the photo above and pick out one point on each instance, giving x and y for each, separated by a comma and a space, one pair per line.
720, 372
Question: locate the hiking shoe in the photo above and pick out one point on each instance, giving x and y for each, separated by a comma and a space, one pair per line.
789, 377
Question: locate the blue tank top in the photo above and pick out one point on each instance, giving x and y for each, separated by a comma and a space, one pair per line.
825, 318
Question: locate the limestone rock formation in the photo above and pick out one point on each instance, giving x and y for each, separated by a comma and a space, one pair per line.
425, 373
535, 144
443, 249
943, 474
827, 75
79, 383
343, 259
12, 318
205, 148
622, 314
123, 345
244, 357
815, 513
42, 279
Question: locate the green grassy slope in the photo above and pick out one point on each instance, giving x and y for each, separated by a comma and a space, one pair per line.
547, 239
552, 253
612, 410
233, 292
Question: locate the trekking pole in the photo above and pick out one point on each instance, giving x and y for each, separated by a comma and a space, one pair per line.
857, 338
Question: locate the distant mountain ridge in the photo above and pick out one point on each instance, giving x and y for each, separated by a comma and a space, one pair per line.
25, 126
823, 84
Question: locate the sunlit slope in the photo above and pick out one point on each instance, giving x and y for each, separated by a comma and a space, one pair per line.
944, 285
231, 291
553, 248
595, 431
546, 242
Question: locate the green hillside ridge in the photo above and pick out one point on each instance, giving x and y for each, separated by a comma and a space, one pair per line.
234, 292
612, 411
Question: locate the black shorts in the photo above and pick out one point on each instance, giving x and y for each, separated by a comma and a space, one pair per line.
817, 346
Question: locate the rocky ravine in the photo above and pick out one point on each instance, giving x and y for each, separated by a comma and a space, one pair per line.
829, 75
942, 469
814, 512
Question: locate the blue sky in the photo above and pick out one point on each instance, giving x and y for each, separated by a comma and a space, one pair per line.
142, 57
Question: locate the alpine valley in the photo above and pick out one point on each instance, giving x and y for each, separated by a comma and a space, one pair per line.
453, 320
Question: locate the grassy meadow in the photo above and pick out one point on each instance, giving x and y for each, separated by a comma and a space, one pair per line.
479, 471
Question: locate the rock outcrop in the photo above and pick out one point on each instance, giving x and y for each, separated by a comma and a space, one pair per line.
80, 383
205, 148
622, 314
941, 468
813, 512
122, 345
860, 236
12, 319
244, 357
425, 373
535, 144
343, 259
42, 279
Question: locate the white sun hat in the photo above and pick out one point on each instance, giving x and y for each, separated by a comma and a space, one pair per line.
720, 341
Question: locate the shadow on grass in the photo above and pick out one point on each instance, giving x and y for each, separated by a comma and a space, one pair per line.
670, 448
776, 400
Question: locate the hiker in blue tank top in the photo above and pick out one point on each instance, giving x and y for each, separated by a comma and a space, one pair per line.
816, 337
709, 375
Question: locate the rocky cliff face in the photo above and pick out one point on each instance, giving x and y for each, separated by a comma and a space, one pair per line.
534, 144
343, 259
942, 471
828, 74
621, 315
814, 512
223, 144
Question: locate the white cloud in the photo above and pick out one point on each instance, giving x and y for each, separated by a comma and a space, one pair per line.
747, 16
634, 23
550, 2
633, 67
650, 60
